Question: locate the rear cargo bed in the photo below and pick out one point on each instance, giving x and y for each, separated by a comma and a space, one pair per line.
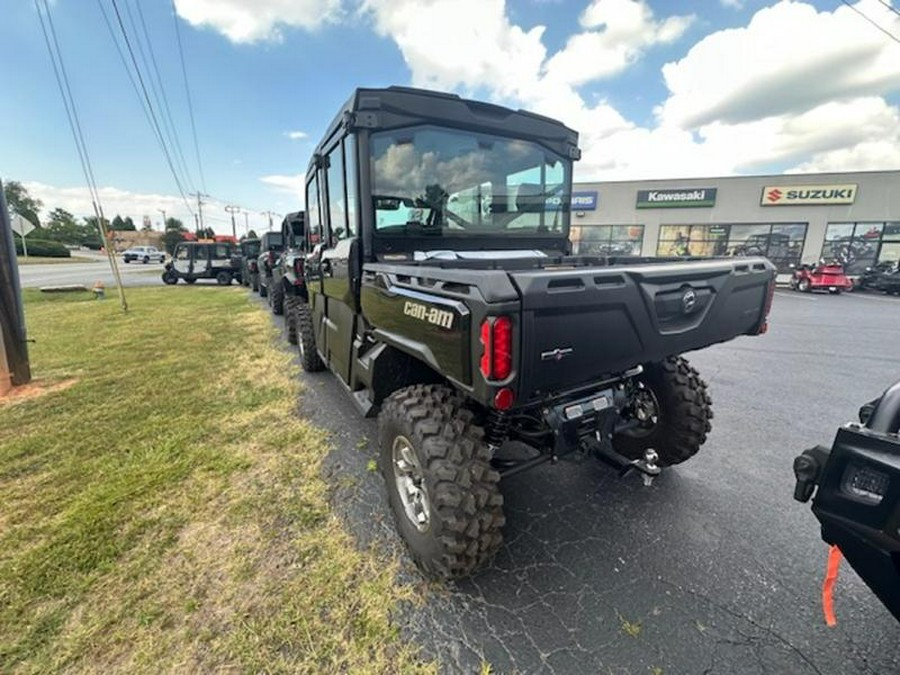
583, 323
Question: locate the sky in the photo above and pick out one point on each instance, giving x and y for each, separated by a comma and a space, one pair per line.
656, 89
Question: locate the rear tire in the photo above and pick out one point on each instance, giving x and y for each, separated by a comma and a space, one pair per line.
442, 490
146, 259
306, 339
223, 278
290, 317
804, 286
684, 411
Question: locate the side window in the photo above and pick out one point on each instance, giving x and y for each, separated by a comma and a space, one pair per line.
337, 200
314, 222
221, 252
350, 172
183, 253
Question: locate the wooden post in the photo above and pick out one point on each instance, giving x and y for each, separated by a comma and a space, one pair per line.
5, 374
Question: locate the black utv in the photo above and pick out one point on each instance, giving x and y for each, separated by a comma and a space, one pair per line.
287, 294
271, 244
249, 256
193, 260
444, 296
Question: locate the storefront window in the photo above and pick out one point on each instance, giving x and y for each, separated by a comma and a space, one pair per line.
781, 243
860, 245
603, 240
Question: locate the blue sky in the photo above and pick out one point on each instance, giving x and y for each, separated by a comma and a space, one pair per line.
657, 89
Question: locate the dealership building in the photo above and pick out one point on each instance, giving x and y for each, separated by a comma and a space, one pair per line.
789, 218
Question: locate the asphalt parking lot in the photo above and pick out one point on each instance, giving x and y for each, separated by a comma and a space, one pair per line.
712, 569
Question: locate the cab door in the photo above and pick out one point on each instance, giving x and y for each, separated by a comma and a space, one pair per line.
339, 258
181, 259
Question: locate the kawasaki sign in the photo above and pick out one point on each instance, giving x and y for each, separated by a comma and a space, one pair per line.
789, 195
667, 199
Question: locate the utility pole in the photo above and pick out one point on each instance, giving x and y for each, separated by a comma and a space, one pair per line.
270, 214
232, 209
199, 196
15, 368
163, 211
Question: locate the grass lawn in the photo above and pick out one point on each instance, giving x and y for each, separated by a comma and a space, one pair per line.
161, 506
39, 260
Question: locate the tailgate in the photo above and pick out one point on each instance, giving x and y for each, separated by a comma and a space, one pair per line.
581, 324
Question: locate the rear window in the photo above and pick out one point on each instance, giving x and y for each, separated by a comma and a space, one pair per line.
274, 239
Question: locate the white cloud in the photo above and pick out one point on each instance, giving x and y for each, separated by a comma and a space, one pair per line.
733, 4
296, 135
619, 31
289, 185
246, 22
77, 201
788, 59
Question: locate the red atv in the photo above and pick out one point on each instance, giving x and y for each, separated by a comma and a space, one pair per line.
821, 276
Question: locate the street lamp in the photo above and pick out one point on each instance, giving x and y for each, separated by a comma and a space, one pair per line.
163, 211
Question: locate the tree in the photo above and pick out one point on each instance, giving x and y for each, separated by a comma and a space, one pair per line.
251, 235
205, 233
175, 230
120, 225
23, 203
129, 224
61, 226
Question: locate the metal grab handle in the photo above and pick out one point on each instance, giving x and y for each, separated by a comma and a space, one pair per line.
885, 418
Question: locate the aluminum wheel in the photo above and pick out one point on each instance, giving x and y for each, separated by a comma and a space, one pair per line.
411, 484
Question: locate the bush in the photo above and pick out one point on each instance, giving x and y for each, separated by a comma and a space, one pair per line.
44, 249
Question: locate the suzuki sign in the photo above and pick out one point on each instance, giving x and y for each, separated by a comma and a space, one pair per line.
790, 195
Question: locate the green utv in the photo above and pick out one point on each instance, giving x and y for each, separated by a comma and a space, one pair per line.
444, 296
271, 244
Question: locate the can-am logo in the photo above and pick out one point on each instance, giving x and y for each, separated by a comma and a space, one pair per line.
655, 199
781, 195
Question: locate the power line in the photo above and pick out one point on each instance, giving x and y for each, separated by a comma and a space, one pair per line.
166, 113
872, 21
149, 103
65, 90
187, 91
890, 7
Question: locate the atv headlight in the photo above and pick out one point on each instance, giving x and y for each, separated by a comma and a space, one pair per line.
864, 484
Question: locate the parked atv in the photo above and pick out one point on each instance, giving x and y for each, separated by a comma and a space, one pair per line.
249, 252
884, 277
820, 277
199, 260
270, 247
445, 298
857, 494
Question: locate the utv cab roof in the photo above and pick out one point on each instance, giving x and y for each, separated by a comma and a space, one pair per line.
396, 107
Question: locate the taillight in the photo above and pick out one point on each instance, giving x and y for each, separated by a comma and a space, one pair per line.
770, 296
496, 340
271, 258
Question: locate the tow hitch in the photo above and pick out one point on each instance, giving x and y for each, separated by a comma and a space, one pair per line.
647, 466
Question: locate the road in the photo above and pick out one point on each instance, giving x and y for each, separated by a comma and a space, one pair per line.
712, 569
88, 273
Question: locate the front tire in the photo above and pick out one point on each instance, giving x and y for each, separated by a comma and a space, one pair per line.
442, 490
263, 291
675, 409
254, 281
804, 286
306, 338
169, 278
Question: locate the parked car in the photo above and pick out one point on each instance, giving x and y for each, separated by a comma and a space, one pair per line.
820, 277
144, 254
249, 253
199, 260
271, 244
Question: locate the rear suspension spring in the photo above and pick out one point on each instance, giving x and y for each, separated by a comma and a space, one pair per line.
496, 428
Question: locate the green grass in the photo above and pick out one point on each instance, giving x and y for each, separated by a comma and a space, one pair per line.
161, 505
42, 260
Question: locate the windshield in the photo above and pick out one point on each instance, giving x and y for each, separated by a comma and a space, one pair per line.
250, 247
429, 180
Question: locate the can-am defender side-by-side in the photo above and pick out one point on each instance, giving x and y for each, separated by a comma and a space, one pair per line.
194, 260
443, 295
